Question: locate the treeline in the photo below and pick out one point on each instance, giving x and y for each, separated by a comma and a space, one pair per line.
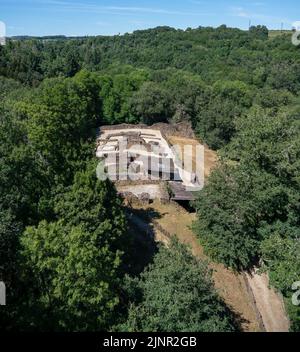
66, 254
134, 95
214, 54
249, 213
64, 234
210, 76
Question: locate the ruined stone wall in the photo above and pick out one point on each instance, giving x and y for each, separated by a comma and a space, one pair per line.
182, 129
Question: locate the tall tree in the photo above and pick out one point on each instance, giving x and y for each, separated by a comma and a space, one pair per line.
176, 293
74, 264
150, 103
61, 121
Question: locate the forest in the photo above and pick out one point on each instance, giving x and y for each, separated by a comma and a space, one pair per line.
66, 254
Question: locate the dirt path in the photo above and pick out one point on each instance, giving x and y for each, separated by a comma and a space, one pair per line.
258, 307
249, 296
231, 286
269, 303
147, 228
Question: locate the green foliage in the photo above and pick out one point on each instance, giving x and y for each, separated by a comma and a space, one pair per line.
61, 122
271, 142
250, 207
281, 255
186, 93
213, 53
231, 208
73, 281
259, 32
74, 262
284, 75
176, 293
215, 122
183, 75
9, 232
260, 188
238, 89
7, 86
92, 203
116, 92
272, 98
22, 174
150, 103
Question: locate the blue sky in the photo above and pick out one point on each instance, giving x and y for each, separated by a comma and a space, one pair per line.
104, 17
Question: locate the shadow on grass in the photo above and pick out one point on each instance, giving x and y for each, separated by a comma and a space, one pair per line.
147, 214
239, 321
143, 248
141, 234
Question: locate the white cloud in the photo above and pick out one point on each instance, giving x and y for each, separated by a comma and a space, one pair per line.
102, 23
241, 12
87, 7
198, 2
258, 3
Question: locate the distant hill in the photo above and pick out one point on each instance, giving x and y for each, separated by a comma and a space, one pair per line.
48, 37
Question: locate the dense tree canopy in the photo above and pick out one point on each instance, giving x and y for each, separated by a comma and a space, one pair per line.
63, 233
235, 66
250, 207
176, 293
75, 261
281, 254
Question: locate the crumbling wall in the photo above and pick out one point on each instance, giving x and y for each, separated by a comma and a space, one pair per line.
181, 129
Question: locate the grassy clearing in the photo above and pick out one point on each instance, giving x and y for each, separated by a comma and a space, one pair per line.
277, 33
231, 286
177, 221
210, 157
